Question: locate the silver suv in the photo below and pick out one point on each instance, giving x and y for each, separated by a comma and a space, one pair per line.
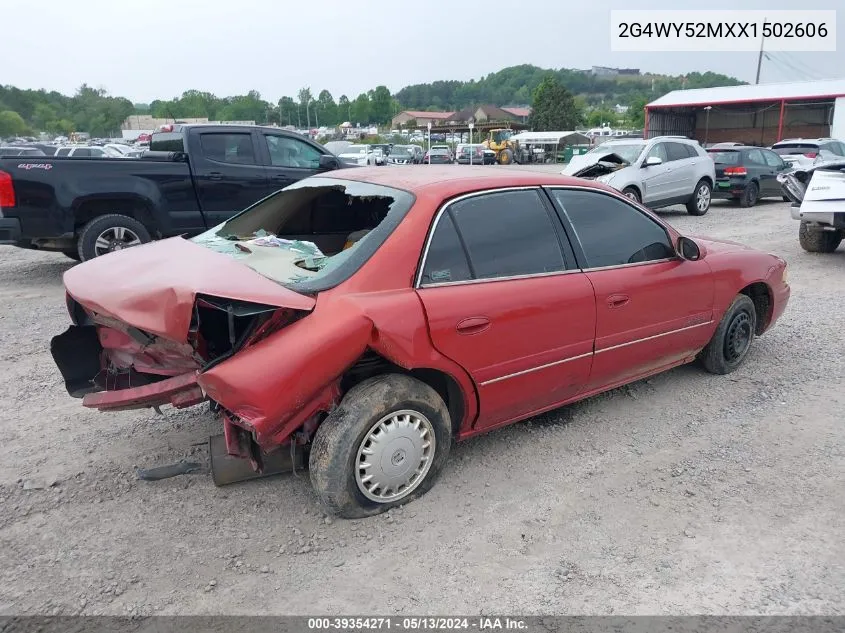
659, 172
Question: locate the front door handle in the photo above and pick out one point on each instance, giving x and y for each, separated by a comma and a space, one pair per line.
473, 325
617, 301
215, 175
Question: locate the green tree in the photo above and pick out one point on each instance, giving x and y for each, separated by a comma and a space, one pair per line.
12, 124
344, 109
328, 108
62, 126
248, 107
305, 98
599, 117
381, 105
287, 106
553, 107
42, 117
361, 109
635, 117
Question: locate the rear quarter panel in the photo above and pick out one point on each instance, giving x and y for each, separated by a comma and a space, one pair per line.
290, 376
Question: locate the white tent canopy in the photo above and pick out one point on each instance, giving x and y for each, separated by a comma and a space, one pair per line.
552, 138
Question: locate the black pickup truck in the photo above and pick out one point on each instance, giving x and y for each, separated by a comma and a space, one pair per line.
193, 178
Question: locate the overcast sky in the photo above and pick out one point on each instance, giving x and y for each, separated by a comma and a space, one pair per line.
147, 49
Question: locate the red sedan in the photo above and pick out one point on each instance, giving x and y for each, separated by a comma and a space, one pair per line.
368, 318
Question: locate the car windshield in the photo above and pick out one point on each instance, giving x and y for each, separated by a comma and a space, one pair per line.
356, 149
629, 152
437, 150
304, 232
725, 157
400, 151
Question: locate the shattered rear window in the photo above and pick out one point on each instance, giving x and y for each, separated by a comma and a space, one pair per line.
315, 229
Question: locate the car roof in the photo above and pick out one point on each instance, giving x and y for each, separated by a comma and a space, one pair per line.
448, 181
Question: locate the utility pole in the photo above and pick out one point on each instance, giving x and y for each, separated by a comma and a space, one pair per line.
308, 113
760, 55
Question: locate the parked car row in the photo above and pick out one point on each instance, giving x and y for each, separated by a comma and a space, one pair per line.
746, 173
109, 150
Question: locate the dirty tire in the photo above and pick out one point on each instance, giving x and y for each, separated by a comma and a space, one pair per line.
332, 463
750, 195
632, 193
702, 195
818, 241
506, 157
729, 346
90, 232
74, 255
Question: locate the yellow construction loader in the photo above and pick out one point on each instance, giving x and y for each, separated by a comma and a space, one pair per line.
499, 141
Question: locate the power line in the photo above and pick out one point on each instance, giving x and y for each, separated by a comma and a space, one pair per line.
784, 63
801, 64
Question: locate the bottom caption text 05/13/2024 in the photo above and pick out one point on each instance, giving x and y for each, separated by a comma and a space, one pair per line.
480, 623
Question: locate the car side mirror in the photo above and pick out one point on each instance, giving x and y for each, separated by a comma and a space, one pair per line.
688, 249
652, 160
329, 162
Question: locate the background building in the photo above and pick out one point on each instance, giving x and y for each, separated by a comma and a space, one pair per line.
422, 118
752, 114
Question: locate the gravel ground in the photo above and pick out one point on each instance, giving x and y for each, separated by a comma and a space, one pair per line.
686, 493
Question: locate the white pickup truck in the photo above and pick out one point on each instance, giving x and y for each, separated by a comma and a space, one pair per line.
817, 194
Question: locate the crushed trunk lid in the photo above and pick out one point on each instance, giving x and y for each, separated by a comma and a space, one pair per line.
154, 287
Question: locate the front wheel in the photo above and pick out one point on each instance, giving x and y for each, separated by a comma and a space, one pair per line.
730, 343
506, 157
700, 201
383, 446
632, 194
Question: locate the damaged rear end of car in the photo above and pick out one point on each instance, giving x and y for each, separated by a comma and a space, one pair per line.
177, 322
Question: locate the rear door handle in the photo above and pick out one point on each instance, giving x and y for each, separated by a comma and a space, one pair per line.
473, 325
617, 301
281, 177
215, 175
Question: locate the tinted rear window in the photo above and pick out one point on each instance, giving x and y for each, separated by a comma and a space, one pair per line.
725, 158
795, 148
167, 142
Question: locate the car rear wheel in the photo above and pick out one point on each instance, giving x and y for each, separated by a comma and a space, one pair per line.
110, 233
730, 343
818, 241
385, 445
700, 201
632, 193
750, 195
